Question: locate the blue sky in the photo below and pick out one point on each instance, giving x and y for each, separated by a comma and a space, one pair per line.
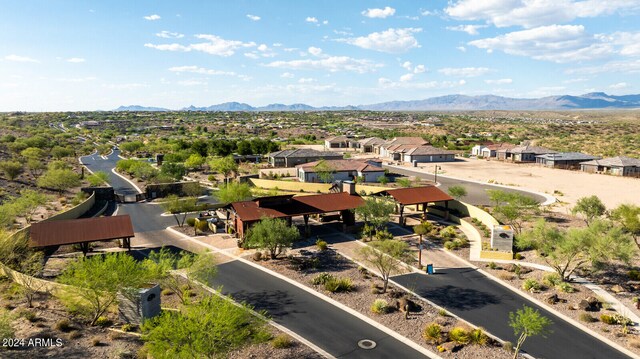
88, 55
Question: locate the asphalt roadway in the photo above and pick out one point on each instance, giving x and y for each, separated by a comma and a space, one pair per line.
485, 303
476, 192
332, 329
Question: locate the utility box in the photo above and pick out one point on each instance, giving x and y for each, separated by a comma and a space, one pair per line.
502, 238
135, 306
159, 159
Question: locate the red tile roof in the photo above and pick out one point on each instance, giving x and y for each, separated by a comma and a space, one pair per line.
343, 165
416, 195
72, 231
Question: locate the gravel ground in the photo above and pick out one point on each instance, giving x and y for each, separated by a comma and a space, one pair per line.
362, 298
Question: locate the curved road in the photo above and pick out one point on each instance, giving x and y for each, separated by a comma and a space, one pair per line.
332, 329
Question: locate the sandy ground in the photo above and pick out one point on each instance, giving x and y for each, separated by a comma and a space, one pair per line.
572, 185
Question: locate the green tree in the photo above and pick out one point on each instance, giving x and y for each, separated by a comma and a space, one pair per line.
272, 234
180, 207
173, 170
194, 162
513, 208
95, 282
569, 250
130, 147
628, 216
61, 152
59, 180
210, 328
233, 192
35, 167
11, 169
324, 171
7, 330
387, 257
28, 202
30, 284
590, 208
383, 180
404, 182
457, 192
225, 165
422, 229
34, 153
375, 212
98, 178
528, 322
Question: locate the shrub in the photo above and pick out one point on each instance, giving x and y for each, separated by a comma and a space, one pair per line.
167, 291
191, 222
322, 245
565, 287
74, 334
587, 318
115, 335
128, 327
63, 325
28, 315
506, 276
322, 278
337, 285
95, 341
459, 335
608, 319
432, 333
282, 341
478, 337
634, 274
257, 256
492, 265
103, 322
519, 256
448, 232
530, 284
449, 245
143, 353
380, 306
443, 313
508, 346
552, 279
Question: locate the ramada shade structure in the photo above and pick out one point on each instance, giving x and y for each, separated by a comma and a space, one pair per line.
81, 231
417, 196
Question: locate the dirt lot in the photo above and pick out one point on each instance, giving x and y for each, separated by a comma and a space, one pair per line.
572, 185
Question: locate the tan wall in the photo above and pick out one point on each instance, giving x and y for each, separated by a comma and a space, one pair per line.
496, 255
76, 211
288, 171
473, 211
370, 189
291, 186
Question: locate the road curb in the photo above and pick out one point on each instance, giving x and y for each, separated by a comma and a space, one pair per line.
126, 179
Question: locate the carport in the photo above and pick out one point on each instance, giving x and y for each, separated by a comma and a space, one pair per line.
418, 196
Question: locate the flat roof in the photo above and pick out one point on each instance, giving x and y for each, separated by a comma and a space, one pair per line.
418, 195
72, 231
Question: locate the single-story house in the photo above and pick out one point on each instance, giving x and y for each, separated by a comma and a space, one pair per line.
293, 157
371, 144
341, 170
383, 149
490, 151
419, 154
477, 150
340, 142
526, 153
564, 160
617, 166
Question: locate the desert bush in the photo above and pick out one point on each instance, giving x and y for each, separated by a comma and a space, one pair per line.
448, 232
492, 265
449, 245
380, 306
478, 337
191, 222
95, 341
104, 322
508, 346
530, 284
565, 287
338, 285
552, 279
74, 334
282, 341
167, 291
634, 274
28, 315
115, 335
257, 256
322, 278
127, 327
506, 276
519, 256
322, 245
608, 319
143, 352
587, 318
432, 333
63, 325
443, 313
459, 335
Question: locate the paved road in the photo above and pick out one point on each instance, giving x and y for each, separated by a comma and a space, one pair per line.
96, 163
325, 325
477, 192
483, 302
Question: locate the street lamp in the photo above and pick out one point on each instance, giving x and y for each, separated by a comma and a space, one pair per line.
436, 174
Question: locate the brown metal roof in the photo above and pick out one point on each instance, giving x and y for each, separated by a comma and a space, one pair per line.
53, 233
250, 211
416, 195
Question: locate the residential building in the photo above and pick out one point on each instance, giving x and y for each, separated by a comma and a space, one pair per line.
490, 151
418, 153
342, 170
564, 160
477, 150
526, 153
394, 144
371, 144
293, 157
340, 142
617, 166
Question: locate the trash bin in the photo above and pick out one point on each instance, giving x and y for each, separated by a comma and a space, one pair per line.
429, 268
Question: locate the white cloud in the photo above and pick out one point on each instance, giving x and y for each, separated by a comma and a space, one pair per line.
391, 41
619, 85
127, 86
407, 65
325, 22
462, 48
78, 79
193, 83
311, 19
532, 13
329, 63
315, 51
558, 43
214, 45
287, 75
498, 81
419, 69
76, 60
389, 84
427, 12
263, 47
200, 70
628, 66
253, 17
546, 91
572, 81
464, 71
17, 58
379, 13
252, 55
469, 29
169, 35
306, 80
153, 17
406, 77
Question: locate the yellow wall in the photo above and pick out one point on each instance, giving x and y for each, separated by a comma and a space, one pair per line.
496, 255
291, 186
370, 189
473, 211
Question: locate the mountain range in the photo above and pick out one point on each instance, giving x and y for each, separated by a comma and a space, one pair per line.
593, 100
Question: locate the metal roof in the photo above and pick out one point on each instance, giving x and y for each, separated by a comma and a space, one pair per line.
304, 152
619, 161
72, 231
567, 156
417, 195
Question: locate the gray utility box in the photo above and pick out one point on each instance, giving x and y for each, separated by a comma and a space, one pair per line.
502, 238
136, 305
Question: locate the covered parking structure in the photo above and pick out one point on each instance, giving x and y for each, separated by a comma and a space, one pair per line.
52, 234
421, 197
241, 215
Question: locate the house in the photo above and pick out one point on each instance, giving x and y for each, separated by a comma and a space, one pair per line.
526, 153
617, 166
293, 157
564, 160
477, 150
490, 151
371, 144
407, 142
341, 170
340, 142
419, 154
